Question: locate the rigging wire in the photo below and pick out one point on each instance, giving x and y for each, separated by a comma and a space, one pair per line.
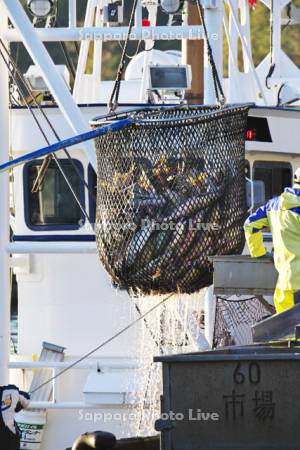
41, 110
289, 15
27, 87
76, 46
272, 62
63, 46
45, 137
220, 96
137, 49
107, 341
134, 53
158, 345
68, 59
114, 98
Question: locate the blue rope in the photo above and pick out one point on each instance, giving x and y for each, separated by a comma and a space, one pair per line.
115, 126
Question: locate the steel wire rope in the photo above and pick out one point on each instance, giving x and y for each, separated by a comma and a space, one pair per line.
272, 62
45, 137
41, 110
114, 98
107, 341
220, 96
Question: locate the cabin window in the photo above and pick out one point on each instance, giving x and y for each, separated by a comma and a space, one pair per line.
53, 206
276, 176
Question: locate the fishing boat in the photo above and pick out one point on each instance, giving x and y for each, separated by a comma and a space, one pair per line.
84, 347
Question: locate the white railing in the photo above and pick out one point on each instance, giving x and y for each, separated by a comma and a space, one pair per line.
51, 247
119, 364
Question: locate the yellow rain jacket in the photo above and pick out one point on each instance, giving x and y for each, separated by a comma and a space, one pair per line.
282, 215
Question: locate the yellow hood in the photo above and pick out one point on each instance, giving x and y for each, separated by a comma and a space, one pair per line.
289, 199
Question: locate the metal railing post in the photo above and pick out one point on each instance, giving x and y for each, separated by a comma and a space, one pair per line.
72, 14
4, 216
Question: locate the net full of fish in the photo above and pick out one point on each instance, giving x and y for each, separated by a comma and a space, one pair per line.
170, 193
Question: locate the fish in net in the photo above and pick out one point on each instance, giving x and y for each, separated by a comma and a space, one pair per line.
170, 193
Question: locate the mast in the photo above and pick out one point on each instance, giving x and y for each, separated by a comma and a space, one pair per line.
4, 216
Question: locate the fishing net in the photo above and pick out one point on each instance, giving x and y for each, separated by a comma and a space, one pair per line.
234, 319
170, 193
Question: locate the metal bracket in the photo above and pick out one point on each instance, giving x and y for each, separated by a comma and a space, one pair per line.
20, 264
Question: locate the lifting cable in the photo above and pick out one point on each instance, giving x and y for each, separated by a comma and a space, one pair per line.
47, 160
68, 59
107, 341
45, 137
41, 110
272, 62
114, 98
63, 46
220, 96
289, 15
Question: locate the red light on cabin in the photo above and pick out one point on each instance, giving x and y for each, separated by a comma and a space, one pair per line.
252, 3
146, 23
250, 135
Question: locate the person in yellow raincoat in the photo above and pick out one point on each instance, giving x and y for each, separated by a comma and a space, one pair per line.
282, 215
